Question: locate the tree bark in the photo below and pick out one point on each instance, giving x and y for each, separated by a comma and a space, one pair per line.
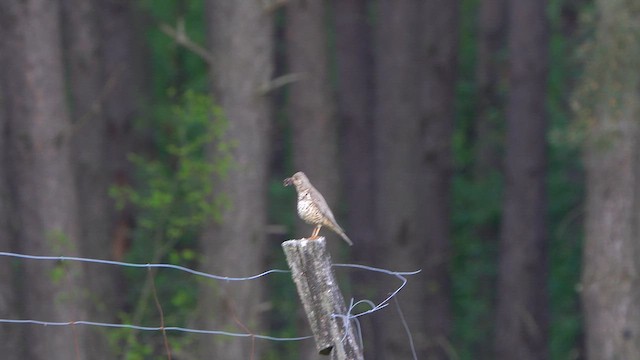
310, 107
43, 182
522, 305
491, 42
438, 72
608, 98
89, 156
124, 82
11, 335
240, 36
355, 110
415, 75
355, 103
396, 125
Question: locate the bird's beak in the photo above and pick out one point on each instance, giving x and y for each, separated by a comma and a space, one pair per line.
287, 182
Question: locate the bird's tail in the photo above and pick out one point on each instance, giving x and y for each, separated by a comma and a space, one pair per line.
345, 237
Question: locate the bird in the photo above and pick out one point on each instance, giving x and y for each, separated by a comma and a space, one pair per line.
312, 207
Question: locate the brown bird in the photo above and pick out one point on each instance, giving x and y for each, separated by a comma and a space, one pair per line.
312, 207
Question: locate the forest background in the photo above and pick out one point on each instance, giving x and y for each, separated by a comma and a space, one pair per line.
493, 144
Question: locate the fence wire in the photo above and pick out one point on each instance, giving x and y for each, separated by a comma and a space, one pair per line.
347, 318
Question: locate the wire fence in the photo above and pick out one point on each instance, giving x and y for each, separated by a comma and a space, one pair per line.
350, 316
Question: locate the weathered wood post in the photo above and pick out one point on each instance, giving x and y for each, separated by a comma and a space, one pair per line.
311, 270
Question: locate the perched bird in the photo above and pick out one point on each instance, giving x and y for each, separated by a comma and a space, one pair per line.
312, 208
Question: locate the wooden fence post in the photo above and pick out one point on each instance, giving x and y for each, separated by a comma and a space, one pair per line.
311, 271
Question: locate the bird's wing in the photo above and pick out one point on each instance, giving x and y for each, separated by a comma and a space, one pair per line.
322, 204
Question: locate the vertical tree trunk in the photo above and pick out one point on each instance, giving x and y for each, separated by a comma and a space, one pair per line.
354, 52
240, 35
609, 104
396, 127
355, 110
123, 85
11, 335
438, 71
491, 42
522, 306
89, 155
311, 109
415, 74
46, 201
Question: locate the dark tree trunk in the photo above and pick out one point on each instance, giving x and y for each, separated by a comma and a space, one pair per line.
355, 110
11, 345
396, 128
608, 99
240, 35
89, 155
437, 74
522, 305
415, 76
43, 181
311, 109
355, 93
489, 78
123, 84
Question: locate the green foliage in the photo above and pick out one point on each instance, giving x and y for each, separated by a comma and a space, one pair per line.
174, 186
565, 188
172, 65
174, 197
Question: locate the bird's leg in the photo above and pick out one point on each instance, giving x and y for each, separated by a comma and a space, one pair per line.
316, 231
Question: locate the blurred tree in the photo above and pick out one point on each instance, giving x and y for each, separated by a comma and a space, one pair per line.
9, 333
88, 141
522, 304
240, 36
415, 75
42, 176
490, 46
396, 171
437, 74
122, 94
609, 109
355, 109
311, 108
354, 55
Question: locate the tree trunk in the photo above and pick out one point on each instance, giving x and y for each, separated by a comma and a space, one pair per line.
355, 110
354, 52
415, 75
522, 305
491, 42
609, 104
396, 126
89, 155
240, 36
11, 335
43, 182
310, 106
437, 74
123, 85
